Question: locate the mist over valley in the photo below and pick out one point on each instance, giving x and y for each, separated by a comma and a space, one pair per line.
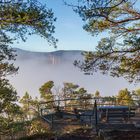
36, 68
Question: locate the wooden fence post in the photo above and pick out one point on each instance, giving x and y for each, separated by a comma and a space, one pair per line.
52, 121
95, 108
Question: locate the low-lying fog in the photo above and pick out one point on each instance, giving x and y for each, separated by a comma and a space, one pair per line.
37, 68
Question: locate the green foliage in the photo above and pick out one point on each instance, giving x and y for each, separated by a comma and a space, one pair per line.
18, 19
9, 128
21, 17
13, 120
136, 96
6, 55
30, 106
26, 105
124, 97
70, 90
138, 92
7, 96
9, 110
73, 91
25, 100
83, 98
97, 94
37, 127
119, 53
35, 106
46, 92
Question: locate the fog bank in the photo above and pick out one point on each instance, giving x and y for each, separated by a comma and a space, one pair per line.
37, 68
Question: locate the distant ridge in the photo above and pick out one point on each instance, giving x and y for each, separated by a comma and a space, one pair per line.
53, 52
35, 68
50, 57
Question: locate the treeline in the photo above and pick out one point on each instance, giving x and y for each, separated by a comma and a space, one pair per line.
21, 115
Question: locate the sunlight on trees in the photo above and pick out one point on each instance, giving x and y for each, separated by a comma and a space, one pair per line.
21, 18
119, 53
125, 97
18, 20
46, 93
26, 117
9, 110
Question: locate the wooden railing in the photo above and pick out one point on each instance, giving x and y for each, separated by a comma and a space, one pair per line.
93, 104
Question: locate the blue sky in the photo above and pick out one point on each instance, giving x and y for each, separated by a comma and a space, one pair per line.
69, 32
71, 36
